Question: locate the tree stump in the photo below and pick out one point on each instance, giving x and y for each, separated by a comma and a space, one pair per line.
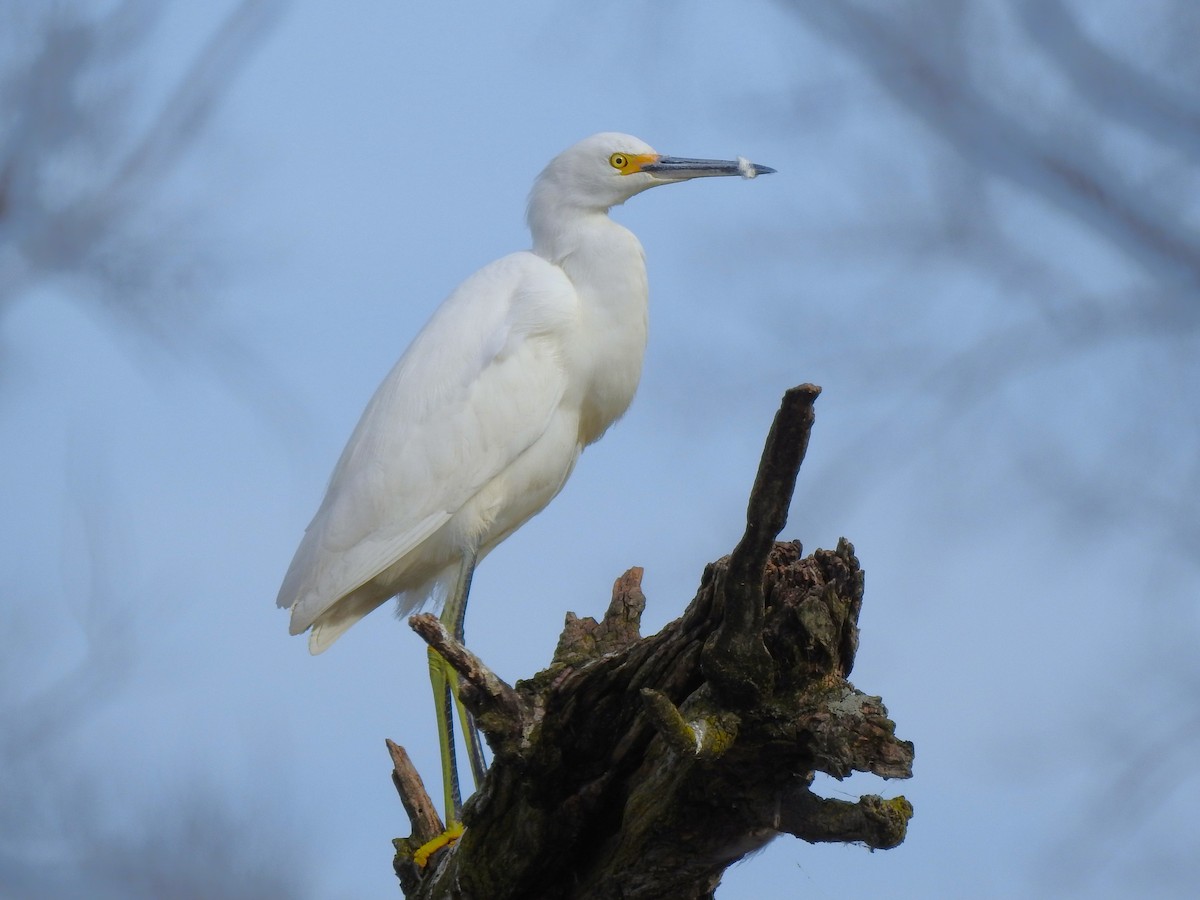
643, 767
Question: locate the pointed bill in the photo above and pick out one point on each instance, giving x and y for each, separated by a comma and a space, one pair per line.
678, 168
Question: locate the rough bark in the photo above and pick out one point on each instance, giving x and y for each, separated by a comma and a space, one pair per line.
643, 767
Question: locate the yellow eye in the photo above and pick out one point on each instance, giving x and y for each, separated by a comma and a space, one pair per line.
619, 161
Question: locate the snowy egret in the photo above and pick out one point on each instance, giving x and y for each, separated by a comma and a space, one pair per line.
479, 424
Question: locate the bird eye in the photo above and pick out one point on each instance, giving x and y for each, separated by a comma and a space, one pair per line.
618, 160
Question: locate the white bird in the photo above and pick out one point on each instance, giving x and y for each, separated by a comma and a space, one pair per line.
479, 424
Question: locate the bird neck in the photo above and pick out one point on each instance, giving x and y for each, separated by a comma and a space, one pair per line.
560, 231
605, 264
604, 260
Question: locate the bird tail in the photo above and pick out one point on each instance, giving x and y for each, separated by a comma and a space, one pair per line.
333, 622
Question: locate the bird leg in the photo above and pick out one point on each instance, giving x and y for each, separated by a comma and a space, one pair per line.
454, 617
445, 697
444, 680
443, 701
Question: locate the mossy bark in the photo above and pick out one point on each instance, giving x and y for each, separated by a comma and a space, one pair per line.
643, 767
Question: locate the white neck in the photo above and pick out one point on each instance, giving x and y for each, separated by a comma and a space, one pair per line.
606, 265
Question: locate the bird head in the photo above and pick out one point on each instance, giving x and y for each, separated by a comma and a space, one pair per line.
607, 169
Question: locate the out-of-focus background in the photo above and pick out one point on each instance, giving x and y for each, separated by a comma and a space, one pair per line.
221, 223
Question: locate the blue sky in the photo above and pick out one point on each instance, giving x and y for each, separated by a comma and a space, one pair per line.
1031, 638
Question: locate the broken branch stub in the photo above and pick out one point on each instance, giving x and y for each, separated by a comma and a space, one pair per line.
735, 660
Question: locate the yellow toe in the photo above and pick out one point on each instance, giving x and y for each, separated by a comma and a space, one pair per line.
448, 837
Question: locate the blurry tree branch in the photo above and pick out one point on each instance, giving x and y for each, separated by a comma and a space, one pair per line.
78, 179
924, 57
643, 767
82, 173
1072, 176
1119, 90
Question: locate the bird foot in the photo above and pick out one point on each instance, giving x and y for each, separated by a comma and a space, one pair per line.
447, 838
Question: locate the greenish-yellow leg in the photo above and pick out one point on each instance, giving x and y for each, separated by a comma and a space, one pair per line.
445, 697
455, 618
443, 700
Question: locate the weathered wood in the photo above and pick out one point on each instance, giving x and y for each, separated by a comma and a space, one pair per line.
735, 661
426, 823
643, 767
490, 700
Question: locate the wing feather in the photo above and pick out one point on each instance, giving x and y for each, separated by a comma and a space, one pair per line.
474, 390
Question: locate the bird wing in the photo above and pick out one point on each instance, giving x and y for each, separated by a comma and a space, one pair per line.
476, 387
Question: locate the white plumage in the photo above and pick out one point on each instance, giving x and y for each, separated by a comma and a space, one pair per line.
479, 424
440, 459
